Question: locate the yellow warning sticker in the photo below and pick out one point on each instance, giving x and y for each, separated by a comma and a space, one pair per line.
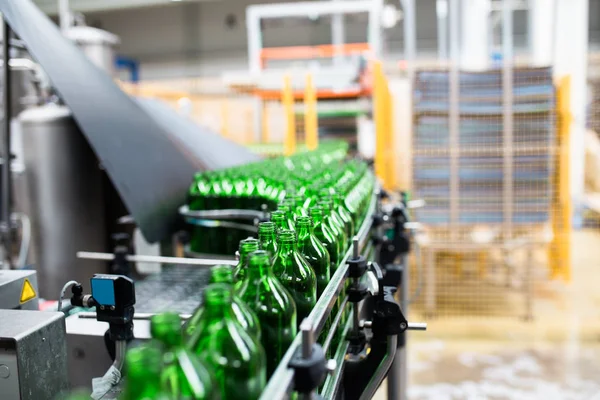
27, 293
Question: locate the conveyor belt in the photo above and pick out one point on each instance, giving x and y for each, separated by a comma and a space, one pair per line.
150, 165
212, 149
178, 288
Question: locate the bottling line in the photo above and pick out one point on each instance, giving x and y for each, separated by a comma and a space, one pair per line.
87, 180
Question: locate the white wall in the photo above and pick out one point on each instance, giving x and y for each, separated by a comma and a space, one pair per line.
192, 39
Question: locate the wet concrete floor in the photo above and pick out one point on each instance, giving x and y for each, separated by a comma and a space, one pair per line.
554, 357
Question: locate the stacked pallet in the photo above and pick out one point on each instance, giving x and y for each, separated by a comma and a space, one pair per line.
463, 174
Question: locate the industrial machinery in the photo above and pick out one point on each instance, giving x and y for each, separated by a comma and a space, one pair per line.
34, 354
374, 337
149, 156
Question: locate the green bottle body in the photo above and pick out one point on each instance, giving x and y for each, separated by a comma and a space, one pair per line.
314, 252
332, 220
143, 367
273, 305
326, 236
243, 314
246, 247
295, 273
183, 375
236, 359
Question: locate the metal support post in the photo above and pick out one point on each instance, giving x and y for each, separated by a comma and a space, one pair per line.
441, 9
5, 228
288, 104
398, 375
338, 35
410, 35
507, 115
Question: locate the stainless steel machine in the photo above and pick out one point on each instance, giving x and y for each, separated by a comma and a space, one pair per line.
97, 44
63, 176
18, 290
33, 356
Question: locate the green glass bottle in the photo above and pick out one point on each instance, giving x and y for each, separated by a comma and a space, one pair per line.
344, 214
183, 375
314, 252
143, 367
301, 204
267, 238
292, 270
279, 219
274, 306
236, 359
288, 206
247, 246
326, 236
244, 315
331, 221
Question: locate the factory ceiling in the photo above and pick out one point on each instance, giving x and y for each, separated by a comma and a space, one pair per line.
86, 6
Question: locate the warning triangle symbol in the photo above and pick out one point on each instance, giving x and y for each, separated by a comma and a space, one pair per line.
27, 293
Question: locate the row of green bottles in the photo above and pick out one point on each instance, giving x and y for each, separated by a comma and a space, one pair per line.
262, 186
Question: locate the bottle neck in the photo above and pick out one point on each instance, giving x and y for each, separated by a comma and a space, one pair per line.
259, 265
166, 328
266, 233
221, 274
143, 369
217, 300
247, 246
286, 241
304, 227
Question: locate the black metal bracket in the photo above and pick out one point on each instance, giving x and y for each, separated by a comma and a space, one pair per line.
120, 265
309, 373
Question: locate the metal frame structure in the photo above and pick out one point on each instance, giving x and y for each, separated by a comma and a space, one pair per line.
6, 198
256, 13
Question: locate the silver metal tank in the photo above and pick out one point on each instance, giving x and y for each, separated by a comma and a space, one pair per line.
97, 44
65, 197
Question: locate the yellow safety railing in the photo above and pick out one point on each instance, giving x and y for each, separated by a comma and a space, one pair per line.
560, 248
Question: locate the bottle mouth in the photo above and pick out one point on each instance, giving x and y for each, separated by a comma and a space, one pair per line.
287, 236
143, 360
266, 227
166, 327
258, 258
325, 205
284, 208
316, 211
217, 294
248, 245
277, 214
303, 221
221, 274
